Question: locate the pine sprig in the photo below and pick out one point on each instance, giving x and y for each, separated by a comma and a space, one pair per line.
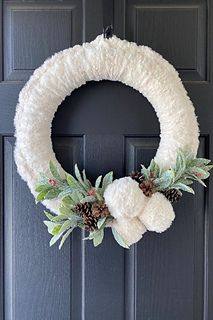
70, 191
187, 169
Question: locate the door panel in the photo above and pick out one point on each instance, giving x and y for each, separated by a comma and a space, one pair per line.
104, 126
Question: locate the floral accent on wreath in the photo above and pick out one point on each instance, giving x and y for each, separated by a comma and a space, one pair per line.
129, 205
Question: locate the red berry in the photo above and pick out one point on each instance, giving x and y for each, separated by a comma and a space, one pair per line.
92, 192
52, 182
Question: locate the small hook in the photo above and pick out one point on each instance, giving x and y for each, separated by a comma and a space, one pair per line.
108, 32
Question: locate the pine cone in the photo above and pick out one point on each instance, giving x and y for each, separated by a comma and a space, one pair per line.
100, 209
85, 211
137, 176
148, 187
173, 195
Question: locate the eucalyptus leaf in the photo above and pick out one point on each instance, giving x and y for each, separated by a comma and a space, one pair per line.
199, 162
55, 238
65, 236
67, 200
88, 199
49, 216
98, 238
72, 182
144, 171
101, 222
99, 196
165, 180
42, 187
56, 230
98, 182
52, 194
107, 179
199, 173
40, 197
64, 210
183, 187
78, 174
67, 224
60, 217
54, 171
86, 181
119, 239
51, 225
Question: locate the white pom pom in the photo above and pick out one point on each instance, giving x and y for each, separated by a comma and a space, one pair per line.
158, 213
124, 198
131, 230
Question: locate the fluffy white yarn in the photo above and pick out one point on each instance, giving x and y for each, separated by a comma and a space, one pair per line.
131, 230
112, 59
158, 213
124, 198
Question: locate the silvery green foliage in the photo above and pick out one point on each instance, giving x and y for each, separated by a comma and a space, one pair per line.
71, 191
187, 169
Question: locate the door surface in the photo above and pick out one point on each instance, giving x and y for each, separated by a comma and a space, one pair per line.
105, 126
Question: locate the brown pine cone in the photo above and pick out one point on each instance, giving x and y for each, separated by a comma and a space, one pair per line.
85, 211
148, 187
100, 209
137, 176
173, 195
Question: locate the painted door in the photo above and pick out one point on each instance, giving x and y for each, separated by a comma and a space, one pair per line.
104, 126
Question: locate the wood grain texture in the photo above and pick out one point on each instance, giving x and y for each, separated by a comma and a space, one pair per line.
177, 30
33, 31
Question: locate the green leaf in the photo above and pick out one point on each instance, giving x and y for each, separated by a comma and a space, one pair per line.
165, 180
108, 178
54, 239
145, 171
64, 210
67, 224
154, 168
119, 239
76, 196
54, 171
78, 174
208, 168
86, 181
52, 194
56, 230
65, 236
199, 162
199, 173
98, 238
187, 181
98, 182
180, 164
67, 200
60, 217
51, 226
49, 215
183, 187
72, 182
40, 197
42, 187
88, 199
99, 196
201, 182
101, 222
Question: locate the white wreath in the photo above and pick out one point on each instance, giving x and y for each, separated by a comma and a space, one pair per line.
102, 59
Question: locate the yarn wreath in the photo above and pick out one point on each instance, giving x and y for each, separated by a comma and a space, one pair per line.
129, 205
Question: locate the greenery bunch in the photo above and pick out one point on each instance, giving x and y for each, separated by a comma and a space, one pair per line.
70, 191
187, 169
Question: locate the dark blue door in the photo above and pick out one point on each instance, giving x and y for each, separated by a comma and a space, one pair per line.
104, 126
